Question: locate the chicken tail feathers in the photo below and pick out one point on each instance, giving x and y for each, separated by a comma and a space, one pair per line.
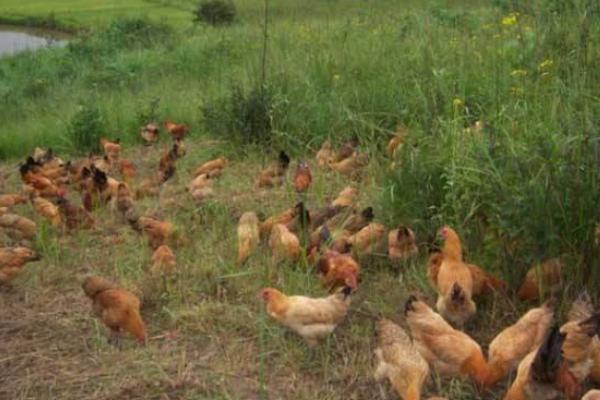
548, 357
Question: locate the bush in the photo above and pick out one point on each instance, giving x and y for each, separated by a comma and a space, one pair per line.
86, 127
244, 116
215, 12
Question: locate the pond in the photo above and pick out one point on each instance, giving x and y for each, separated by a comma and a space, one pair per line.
14, 39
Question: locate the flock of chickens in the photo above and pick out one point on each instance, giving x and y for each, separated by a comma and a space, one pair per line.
551, 361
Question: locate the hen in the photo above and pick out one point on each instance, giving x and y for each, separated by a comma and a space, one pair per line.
11, 200
401, 244
449, 351
118, 308
156, 230
12, 260
218, 164
324, 154
544, 277
399, 361
47, 210
274, 175
311, 318
149, 134
176, 131
284, 244
17, 227
337, 269
303, 177
163, 261
248, 236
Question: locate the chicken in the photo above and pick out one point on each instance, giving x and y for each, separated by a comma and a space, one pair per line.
454, 282
11, 200
337, 270
176, 131
248, 236
396, 141
112, 149
149, 134
581, 310
545, 277
484, 282
347, 150
319, 217
303, 177
350, 166
163, 261
283, 218
324, 154
47, 210
118, 308
274, 175
17, 227
125, 202
149, 187
401, 244
399, 361
311, 318
12, 260
128, 170
346, 197
517, 388
577, 350
74, 217
592, 395
41, 185
199, 195
157, 231
284, 244
218, 164
166, 164
301, 223
199, 182
357, 221
509, 348
449, 351
369, 240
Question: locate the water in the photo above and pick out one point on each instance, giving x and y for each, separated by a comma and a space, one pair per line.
15, 39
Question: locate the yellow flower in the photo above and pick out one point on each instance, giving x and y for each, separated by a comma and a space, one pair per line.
510, 19
336, 77
518, 73
517, 91
546, 64
457, 102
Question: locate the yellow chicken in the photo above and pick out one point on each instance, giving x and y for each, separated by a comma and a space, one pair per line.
346, 198
248, 236
509, 348
10, 200
350, 166
12, 260
543, 277
47, 210
401, 244
17, 227
399, 361
212, 166
449, 351
369, 240
312, 318
324, 154
163, 261
284, 245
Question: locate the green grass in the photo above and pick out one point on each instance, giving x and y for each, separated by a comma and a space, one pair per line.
523, 190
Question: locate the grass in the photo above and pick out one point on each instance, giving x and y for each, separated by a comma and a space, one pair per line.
524, 189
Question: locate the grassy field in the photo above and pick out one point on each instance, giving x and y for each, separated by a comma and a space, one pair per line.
524, 189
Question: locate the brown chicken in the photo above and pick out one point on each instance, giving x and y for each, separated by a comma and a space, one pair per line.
176, 131
157, 231
112, 149
350, 166
74, 217
312, 318
248, 236
125, 201
324, 154
218, 164
346, 197
128, 170
399, 361
118, 308
542, 278
355, 222
454, 282
149, 134
396, 141
369, 240
284, 245
337, 270
449, 351
303, 177
17, 227
347, 150
509, 348
40, 184
283, 218
149, 187
12, 260
47, 210
592, 395
163, 261
166, 164
274, 175
582, 309
11, 200
402, 244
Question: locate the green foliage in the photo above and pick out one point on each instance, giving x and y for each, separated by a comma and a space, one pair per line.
215, 12
86, 128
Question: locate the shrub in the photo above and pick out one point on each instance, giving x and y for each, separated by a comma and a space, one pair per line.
215, 12
86, 127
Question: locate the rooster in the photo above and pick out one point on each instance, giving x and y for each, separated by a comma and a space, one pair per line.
312, 318
399, 361
118, 308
